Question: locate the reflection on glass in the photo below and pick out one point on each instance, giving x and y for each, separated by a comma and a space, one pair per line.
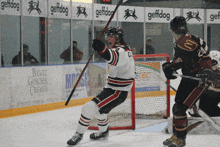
161, 37
10, 38
82, 35
31, 42
58, 39
133, 34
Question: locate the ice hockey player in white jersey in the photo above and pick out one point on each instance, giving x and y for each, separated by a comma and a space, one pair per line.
119, 82
216, 56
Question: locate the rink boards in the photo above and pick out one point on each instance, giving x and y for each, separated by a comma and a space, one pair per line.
25, 90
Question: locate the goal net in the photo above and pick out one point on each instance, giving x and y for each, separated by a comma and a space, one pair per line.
149, 97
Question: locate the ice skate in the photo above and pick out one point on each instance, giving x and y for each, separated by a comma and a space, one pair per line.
100, 135
169, 140
179, 142
174, 142
75, 139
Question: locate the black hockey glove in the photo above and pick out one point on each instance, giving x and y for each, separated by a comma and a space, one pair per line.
98, 45
101, 48
169, 70
208, 76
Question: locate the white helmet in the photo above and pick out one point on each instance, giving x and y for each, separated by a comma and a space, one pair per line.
215, 55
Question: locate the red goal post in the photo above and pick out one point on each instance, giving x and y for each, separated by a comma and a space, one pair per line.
149, 97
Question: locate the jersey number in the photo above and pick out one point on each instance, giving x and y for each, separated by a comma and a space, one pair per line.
130, 54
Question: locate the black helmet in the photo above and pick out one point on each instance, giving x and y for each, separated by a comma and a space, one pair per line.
178, 25
118, 32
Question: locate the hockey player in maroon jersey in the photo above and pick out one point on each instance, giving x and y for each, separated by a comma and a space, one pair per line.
192, 57
119, 82
210, 99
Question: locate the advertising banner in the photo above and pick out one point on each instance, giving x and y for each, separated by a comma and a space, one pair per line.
35, 8
10, 7
5, 88
35, 85
103, 12
59, 9
213, 16
82, 11
194, 15
70, 76
131, 14
146, 76
161, 15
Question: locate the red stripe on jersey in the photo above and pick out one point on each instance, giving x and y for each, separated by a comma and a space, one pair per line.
127, 50
120, 82
109, 99
115, 58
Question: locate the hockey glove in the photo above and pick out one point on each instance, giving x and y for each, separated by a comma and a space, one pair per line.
208, 76
99, 46
169, 70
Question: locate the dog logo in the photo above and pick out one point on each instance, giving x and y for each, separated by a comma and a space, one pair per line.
81, 10
191, 15
129, 13
34, 6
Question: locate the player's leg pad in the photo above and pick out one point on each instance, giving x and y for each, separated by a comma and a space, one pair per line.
100, 135
75, 139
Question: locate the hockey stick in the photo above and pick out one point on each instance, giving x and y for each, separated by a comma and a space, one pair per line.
188, 77
201, 112
103, 32
166, 83
209, 119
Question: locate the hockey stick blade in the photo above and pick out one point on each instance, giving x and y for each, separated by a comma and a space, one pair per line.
103, 32
208, 119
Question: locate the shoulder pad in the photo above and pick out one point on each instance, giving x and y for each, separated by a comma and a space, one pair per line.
187, 43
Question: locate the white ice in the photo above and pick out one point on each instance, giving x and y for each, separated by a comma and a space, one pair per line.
54, 128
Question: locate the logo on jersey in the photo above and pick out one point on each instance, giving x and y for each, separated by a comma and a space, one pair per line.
193, 15
34, 6
190, 44
81, 10
129, 13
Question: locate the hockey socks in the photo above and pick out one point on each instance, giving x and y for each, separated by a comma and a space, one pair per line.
83, 124
180, 126
103, 124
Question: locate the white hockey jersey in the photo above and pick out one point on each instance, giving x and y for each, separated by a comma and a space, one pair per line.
121, 69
